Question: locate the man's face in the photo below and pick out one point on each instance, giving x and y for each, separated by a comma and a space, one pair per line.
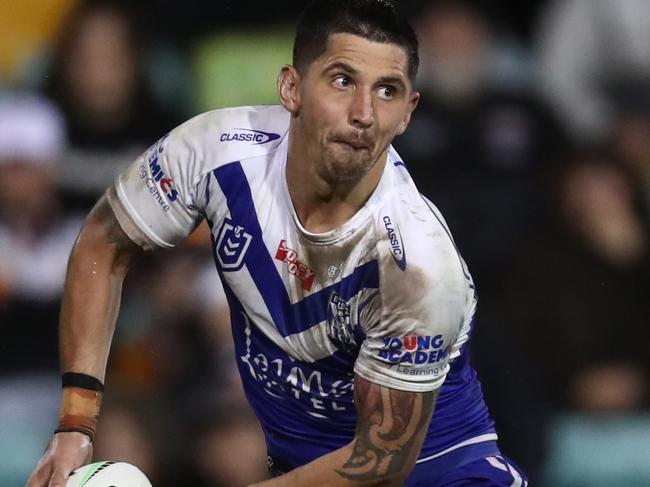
350, 104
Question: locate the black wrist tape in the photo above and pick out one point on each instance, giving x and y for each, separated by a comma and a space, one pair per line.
83, 381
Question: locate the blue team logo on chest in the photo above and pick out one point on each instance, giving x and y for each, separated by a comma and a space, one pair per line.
340, 328
232, 244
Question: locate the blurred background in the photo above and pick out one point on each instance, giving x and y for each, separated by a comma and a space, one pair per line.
532, 137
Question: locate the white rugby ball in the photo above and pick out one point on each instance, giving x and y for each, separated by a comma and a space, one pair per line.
108, 474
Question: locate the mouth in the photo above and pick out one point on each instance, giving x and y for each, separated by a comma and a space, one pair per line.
356, 145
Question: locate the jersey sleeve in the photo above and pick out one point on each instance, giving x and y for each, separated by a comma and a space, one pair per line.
154, 199
421, 315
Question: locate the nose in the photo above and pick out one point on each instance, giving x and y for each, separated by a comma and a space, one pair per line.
362, 110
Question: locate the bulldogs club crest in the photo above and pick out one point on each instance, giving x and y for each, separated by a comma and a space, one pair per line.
232, 244
339, 324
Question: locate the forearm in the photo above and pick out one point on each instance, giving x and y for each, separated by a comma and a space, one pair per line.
391, 426
328, 470
88, 313
96, 271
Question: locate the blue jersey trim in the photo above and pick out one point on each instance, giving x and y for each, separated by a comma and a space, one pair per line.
233, 183
288, 318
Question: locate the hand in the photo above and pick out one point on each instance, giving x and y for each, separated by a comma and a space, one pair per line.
65, 452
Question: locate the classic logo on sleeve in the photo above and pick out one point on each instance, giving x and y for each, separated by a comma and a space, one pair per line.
302, 271
254, 137
414, 349
231, 247
396, 243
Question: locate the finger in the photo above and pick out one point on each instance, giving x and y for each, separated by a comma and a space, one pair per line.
39, 476
59, 478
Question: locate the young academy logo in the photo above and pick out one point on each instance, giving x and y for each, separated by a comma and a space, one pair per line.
414, 349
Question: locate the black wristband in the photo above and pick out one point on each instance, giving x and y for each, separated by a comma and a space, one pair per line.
83, 381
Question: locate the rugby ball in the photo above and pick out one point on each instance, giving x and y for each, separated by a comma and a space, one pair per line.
108, 474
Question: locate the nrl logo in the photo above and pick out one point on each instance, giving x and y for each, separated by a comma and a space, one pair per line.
339, 325
232, 244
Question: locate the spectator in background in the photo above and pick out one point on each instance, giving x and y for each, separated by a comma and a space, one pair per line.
580, 289
478, 147
98, 77
584, 47
35, 241
235, 429
630, 138
474, 146
35, 235
172, 363
577, 309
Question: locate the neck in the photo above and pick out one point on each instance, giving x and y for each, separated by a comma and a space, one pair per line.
321, 205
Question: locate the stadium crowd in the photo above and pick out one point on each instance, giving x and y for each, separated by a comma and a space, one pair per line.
532, 137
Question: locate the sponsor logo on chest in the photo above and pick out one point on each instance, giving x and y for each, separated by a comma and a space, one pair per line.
302, 271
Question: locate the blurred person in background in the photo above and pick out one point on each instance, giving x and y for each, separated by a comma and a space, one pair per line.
585, 46
478, 146
35, 240
576, 307
630, 139
98, 76
476, 142
36, 235
168, 365
230, 449
580, 289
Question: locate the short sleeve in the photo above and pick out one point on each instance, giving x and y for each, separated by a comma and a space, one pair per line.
154, 198
419, 319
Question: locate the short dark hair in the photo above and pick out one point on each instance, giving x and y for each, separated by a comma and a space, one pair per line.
375, 20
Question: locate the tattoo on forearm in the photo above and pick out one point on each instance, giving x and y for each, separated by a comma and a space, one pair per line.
390, 427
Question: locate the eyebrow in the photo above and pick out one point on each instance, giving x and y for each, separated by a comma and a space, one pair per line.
396, 80
343, 67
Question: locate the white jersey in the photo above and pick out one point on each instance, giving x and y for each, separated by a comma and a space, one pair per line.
385, 295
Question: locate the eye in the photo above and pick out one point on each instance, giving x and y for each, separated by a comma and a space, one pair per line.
387, 92
342, 81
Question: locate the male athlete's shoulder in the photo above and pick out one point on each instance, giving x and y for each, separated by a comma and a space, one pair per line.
411, 227
417, 254
425, 292
232, 134
162, 195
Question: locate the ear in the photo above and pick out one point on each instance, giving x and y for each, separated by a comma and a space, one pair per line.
414, 98
288, 89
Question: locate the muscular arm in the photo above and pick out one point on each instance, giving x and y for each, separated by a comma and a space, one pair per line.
99, 261
391, 426
96, 270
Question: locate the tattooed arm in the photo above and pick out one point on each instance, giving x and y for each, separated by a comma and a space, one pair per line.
98, 264
391, 426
